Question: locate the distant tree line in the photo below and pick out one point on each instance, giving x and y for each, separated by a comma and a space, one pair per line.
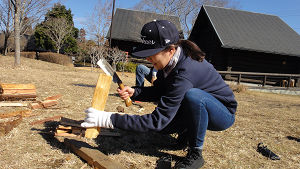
57, 32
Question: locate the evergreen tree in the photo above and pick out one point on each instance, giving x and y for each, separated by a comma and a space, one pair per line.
44, 42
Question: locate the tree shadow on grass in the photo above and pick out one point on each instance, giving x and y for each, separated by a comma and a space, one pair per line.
84, 85
293, 138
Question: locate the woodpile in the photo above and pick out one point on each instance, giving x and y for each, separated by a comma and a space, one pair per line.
72, 128
47, 102
17, 91
26, 95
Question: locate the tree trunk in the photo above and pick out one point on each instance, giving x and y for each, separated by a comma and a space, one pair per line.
17, 32
5, 47
7, 32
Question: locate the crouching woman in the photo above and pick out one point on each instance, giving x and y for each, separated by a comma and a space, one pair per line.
192, 97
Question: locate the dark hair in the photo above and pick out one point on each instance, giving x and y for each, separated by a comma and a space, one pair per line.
190, 49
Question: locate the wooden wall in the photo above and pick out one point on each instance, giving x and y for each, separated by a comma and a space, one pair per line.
126, 46
250, 61
206, 38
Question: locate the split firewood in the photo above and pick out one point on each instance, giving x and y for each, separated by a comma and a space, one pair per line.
56, 97
18, 96
43, 104
23, 113
61, 127
49, 103
36, 105
17, 91
12, 104
66, 135
6, 127
70, 122
73, 127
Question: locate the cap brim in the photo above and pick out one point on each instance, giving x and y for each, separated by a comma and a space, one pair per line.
147, 52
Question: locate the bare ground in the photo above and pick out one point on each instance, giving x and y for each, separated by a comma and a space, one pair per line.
261, 117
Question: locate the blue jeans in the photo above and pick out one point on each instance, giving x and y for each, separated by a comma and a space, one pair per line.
199, 112
142, 73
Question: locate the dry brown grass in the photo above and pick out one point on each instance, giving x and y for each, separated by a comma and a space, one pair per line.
237, 88
261, 117
31, 55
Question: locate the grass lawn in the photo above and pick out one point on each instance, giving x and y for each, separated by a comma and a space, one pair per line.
273, 119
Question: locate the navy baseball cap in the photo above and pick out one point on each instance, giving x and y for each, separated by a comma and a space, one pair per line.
156, 36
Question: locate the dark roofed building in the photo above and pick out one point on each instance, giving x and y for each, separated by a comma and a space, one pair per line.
246, 41
127, 25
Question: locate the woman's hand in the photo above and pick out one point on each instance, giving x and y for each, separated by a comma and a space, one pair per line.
126, 92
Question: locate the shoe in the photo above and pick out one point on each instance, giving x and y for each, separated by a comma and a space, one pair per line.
267, 152
193, 160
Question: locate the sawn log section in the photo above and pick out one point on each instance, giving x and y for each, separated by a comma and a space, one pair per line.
17, 91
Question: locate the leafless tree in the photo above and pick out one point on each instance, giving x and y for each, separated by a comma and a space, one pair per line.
18, 16
186, 10
95, 53
112, 55
57, 29
115, 56
6, 22
98, 23
17, 9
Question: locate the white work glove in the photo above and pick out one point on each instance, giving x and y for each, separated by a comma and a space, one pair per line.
96, 118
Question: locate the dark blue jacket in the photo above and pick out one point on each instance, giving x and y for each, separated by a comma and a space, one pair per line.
170, 91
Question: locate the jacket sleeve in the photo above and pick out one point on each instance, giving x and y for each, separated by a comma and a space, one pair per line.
168, 106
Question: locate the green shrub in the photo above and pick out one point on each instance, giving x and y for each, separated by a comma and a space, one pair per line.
128, 67
56, 58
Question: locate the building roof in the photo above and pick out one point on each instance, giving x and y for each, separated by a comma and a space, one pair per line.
244, 30
127, 24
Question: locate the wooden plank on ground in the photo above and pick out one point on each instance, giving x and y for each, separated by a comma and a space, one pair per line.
23, 113
13, 104
93, 156
6, 127
16, 86
56, 97
35, 105
49, 103
18, 96
43, 104
70, 122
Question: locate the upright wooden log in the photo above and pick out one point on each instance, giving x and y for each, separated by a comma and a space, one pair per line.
99, 100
